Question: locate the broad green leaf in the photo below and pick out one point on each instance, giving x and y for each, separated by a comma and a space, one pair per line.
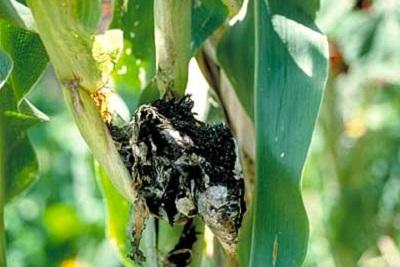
118, 216
29, 61
236, 56
17, 14
6, 66
290, 74
16, 112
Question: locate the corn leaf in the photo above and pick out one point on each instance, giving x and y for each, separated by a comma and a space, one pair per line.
290, 74
16, 112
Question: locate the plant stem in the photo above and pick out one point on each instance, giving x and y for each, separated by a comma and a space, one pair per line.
96, 135
70, 45
173, 22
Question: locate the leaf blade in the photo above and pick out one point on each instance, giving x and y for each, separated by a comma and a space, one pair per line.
290, 74
17, 113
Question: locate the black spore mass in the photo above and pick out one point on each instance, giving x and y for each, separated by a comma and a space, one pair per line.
182, 167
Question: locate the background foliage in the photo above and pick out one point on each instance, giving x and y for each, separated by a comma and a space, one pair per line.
352, 177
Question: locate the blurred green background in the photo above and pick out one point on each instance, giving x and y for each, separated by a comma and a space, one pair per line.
60, 221
351, 182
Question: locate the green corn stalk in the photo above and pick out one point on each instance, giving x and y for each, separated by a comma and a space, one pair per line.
173, 21
71, 50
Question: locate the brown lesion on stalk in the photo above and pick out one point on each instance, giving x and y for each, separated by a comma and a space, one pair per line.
100, 97
73, 86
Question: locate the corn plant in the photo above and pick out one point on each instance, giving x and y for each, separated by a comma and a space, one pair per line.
266, 65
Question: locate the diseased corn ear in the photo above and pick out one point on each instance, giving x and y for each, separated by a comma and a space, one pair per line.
182, 167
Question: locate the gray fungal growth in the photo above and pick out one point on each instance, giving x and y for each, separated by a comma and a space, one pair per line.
182, 168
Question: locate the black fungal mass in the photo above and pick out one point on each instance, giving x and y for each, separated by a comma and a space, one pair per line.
182, 167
